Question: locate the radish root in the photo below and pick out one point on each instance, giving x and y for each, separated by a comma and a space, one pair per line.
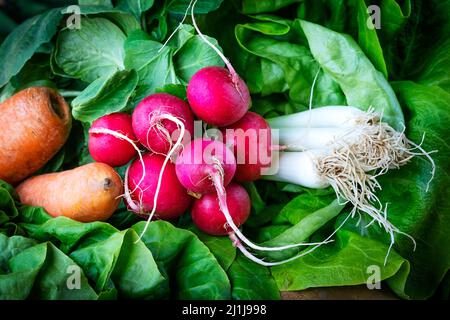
177, 28
252, 257
217, 179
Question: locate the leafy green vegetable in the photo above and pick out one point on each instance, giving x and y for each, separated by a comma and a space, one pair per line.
363, 85
393, 17
110, 258
345, 262
8, 210
179, 253
136, 7
194, 55
202, 6
39, 271
427, 217
250, 281
104, 96
93, 51
37, 69
332, 14
155, 68
107, 3
121, 267
368, 38
417, 28
221, 247
302, 230
284, 65
436, 68
175, 63
303, 205
178, 90
123, 18
7, 25
255, 6
25, 40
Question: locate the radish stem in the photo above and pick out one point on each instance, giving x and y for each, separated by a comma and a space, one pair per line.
230, 68
249, 255
221, 196
177, 28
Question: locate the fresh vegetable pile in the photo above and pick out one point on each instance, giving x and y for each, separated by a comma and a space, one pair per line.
112, 188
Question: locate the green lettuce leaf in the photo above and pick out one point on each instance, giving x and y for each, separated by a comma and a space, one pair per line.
175, 63
104, 96
283, 65
8, 209
436, 69
257, 6
368, 38
38, 271
106, 3
341, 57
251, 281
422, 214
111, 259
221, 247
93, 51
193, 271
25, 40
201, 7
136, 7
345, 262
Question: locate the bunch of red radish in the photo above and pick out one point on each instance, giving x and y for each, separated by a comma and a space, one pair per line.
178, 172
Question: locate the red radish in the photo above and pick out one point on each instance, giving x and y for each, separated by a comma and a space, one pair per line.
205, 165
206, 212
172, 198
250, 139
217, 96
153, 121
108, 148
161, 122
202, 163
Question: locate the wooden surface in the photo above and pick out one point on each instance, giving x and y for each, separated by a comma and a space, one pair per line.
340, 293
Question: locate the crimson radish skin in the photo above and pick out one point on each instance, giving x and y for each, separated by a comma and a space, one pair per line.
200, 161
208, 217
153, 130
110, 149
172, 199
250, 138
218, 97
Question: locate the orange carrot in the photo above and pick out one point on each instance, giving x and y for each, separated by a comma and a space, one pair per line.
34, 124
87, 193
